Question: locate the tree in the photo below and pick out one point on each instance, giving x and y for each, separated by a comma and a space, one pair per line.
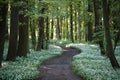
23, 31
71, 22
98, 27
79, 23
109, 47
47, 33
52, 29
41, 35
3, 15
89, 24
13, 41
58, 35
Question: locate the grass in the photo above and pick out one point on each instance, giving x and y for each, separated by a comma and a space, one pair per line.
92, 66
26, 68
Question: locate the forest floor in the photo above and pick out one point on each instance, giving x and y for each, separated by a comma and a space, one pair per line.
59, 68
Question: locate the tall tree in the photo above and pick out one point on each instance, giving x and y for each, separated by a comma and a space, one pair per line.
58, 35
3, 15
109, 47
79, 23
41, 35
23, 30
98, 28
13, 41
52, 29
47, 32
71, 22
89, 24
75, 14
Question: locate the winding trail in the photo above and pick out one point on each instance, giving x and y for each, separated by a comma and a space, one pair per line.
59, 68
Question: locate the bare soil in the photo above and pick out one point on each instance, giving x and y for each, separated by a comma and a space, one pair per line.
59, 68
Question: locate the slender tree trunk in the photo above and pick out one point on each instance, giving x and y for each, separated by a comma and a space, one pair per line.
64, 28
71, 22
58, 36
41, 35
109, 47
67, 26
3, 15
61, 27
13, 42
89, 35
97, 27
75, 24
52, 29
79, 24
47, 32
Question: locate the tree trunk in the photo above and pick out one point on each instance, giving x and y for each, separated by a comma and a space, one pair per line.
41, 35
61, 27
67, 27
52, 29
3, 15
58, 36
64, 29
47, 32
79, 24
23, 36
89, 33
71, 22
75, 24
23, 48
97, 27
13, 41
109, 47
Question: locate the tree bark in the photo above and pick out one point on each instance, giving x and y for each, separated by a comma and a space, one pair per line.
76, 24
89, 33
109, 47
47, 33
3, 15
41, 35
58, 36
52, 29
79, 24
97, 28
71, 22
23, 47
67, 26
13, 41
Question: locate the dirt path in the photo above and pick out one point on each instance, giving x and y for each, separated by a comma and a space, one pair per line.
59, 68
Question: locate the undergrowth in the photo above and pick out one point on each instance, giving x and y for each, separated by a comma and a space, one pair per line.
26, 68
90, 65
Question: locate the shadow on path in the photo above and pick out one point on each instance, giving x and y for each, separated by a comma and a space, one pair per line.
59, 68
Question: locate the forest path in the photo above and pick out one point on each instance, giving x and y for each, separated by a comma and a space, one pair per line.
59, 68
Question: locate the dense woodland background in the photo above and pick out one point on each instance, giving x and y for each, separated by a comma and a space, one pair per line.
38, 22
